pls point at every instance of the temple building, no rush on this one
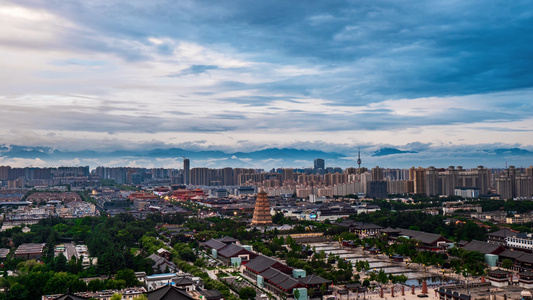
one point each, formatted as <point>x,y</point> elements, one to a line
<point>262,215</point>
<point>499,278</point>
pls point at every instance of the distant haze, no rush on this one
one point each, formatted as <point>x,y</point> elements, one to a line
<point>417,155</point>
<point>421,82</point>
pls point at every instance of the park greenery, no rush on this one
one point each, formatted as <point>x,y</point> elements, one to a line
<point>121,245</point>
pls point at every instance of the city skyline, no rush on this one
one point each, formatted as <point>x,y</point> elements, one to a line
<point>446,83</point>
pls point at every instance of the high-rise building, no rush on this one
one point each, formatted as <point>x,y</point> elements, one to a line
<point>377,189</point>
<point>319,164</point>
<point>199,176</point>
<point>287,175</point>
<point>418,176</point>
<point>512,183</point>
<point>377,174</point>
<point>186,171</point>
<point>262,216</point>
<point>432,180</point>
<point>4,172</point>
<point>227,176</point>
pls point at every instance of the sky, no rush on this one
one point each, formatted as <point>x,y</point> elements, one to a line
<point>107,75</point>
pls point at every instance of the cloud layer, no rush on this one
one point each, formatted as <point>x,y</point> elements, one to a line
<point>246,75</point>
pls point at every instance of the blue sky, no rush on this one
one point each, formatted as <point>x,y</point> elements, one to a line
<point>246,75</point>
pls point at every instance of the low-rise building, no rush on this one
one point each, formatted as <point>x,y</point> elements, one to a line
<point>520,241</point>
<point>30,251</point>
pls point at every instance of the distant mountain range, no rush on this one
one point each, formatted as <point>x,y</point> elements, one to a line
<point>44,152</point>
<point>266,158</point>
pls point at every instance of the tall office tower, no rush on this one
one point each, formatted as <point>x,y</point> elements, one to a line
<point>262,215</point>
<point>377,174</point>
<point>319,164</point>
<point>432,178</point>
<point>186,171</point>
<point>418,177</point>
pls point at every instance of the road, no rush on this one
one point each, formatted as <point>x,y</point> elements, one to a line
<point>70,249</point>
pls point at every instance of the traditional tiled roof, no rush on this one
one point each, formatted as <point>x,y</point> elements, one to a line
<point>462,243</point>
<point>161,263</point>
<point>511,254</point>
<point>279,278</point>
<point>232,250</point>
<point>502,233</point>
<point>349,223</point>
<point>215,244</point>
<point>260,263</point>
<point>227,240</point>
<point>183,281</point>
<point>499,272</point>
<point>269,273</point>
<point>70,297</point>
<point>526,258</point>
<point>526,273</point>
<point>366,226</point>
<point>483,247</point>
<point>424,237</point>
<point>4,252</point>
<point>313,279</point>
<point>168,292</point>
<point>289,283</point>
<point>211,294</point>
<point>352,286</point>
<point>390,230</point>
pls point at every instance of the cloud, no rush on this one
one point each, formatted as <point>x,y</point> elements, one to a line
<point>194,70</point>
<point>118,74</point>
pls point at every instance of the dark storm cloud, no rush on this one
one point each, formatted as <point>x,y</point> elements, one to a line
<point>394,49</point>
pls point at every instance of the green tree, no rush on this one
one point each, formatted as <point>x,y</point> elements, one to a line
<point>382,277</point>
<point>112,284</point>
<point>62,282</point>
<point>323,288</point>
<point>296,294</point>
<point>96,285</point>
<point>246,293</point>
<point>128,275</point>
<point>116,296</point>
<point>16,292</point>
<point>60,263</point>
<point>507,263</point>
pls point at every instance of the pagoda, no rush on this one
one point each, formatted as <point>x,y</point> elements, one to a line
<point>262,215</point>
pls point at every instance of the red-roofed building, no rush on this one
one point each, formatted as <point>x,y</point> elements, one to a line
<point>142,195</point>
<point>185,195</point>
